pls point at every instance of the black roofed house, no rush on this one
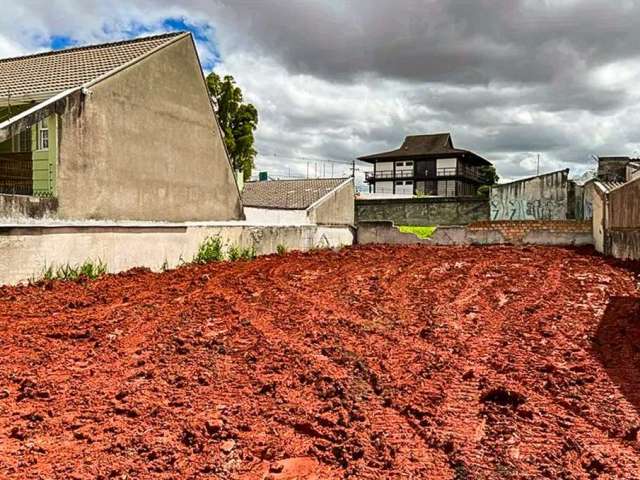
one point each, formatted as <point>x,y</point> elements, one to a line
<point>321,201</point>
<point>426,165</point>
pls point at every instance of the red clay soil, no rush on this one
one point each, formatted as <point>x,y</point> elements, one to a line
<point>372,362</point>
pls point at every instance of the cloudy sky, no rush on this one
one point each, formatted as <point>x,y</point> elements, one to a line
<point>333,80</point>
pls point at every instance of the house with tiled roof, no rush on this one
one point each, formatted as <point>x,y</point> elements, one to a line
<point>320,201</point>
<point>426,165</point>
<point>117,131</point>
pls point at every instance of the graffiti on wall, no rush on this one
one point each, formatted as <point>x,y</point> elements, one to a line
<point>539,209</point>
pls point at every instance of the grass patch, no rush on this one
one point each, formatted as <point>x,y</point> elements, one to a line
<point>418,231</point>
<point>88,270</point>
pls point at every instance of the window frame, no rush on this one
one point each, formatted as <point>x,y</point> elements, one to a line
<point>43,126</point>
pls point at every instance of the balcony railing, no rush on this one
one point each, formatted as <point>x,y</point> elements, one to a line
<point>389,174</point>
<point>459,171</point>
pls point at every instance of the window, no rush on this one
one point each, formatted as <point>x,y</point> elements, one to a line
<point>43,135</point>
<point>22,141</point>
<point>405,187</point>
<point>447,188</point>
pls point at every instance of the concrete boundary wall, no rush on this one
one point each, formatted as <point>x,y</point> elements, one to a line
<point>26,250</point>
<point>427,211</point>
<point>484,233</point>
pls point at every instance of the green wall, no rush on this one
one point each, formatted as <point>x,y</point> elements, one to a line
<point>44,161</point>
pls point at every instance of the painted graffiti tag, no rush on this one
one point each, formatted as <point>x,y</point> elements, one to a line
<point>527,210</point>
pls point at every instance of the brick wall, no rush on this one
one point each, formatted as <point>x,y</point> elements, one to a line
<point>516,231</point>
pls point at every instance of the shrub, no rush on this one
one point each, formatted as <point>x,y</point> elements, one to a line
<point>248,253</point>
<point>234,253</point>
<point>281,249</point>
<point>210,250</point>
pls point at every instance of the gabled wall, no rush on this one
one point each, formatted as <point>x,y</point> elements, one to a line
<point>337,208</point>
<point>143,144</point>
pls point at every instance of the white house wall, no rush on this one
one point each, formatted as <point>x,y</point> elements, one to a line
<point>384,167</point>
<point>446,163</point>
<point>384,187</point>
<point>272,216</point>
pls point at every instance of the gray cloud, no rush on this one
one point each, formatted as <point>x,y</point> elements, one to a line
<point>339,79</point>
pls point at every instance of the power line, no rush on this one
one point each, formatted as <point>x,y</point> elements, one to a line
<point>311,159</point>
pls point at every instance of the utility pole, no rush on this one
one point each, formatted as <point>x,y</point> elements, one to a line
<point>353,169</point>
<point>307,169</point>
<point>538,169</point>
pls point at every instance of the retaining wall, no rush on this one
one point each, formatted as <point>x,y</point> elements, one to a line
<point>26,250</point>
<point>483,233</point>
<point>426,211</point>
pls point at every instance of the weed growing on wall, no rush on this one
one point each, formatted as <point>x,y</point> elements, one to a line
<point>88,270</point>
<point>239,253</point>
<point>210,250</point>
<point>281,249</point>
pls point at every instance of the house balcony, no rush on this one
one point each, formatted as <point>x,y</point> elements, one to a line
<point>463,171</point>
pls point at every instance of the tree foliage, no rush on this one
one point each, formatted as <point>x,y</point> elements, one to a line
<point>489,176</point>
<point>238,121</point>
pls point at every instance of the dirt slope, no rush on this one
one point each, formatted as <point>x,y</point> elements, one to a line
<point>376,362</point>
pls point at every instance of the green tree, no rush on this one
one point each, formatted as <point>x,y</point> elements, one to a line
<point>238,121</point>
<point>489,176</point>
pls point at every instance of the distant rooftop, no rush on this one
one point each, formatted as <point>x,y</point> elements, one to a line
<point>42,75</point>
<point>288,194</point>
<point>416,145</point>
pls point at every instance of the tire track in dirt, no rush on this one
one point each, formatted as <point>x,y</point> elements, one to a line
<point>352,363</point>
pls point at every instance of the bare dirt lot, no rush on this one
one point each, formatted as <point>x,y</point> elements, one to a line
<point>374,362</point>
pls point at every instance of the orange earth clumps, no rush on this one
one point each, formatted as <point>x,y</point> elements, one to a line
<point>371,362</point>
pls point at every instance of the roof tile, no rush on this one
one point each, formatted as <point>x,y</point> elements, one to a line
<point>54,72</point>
<point>288,194</point>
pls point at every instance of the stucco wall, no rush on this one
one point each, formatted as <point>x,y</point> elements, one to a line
<point>587,200</point>
<point>598,210</point>
<point>545,197</point>
<point>423,211</point>
<point>27,250</point>
<point>338,208</point>
<point>144,145</point>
